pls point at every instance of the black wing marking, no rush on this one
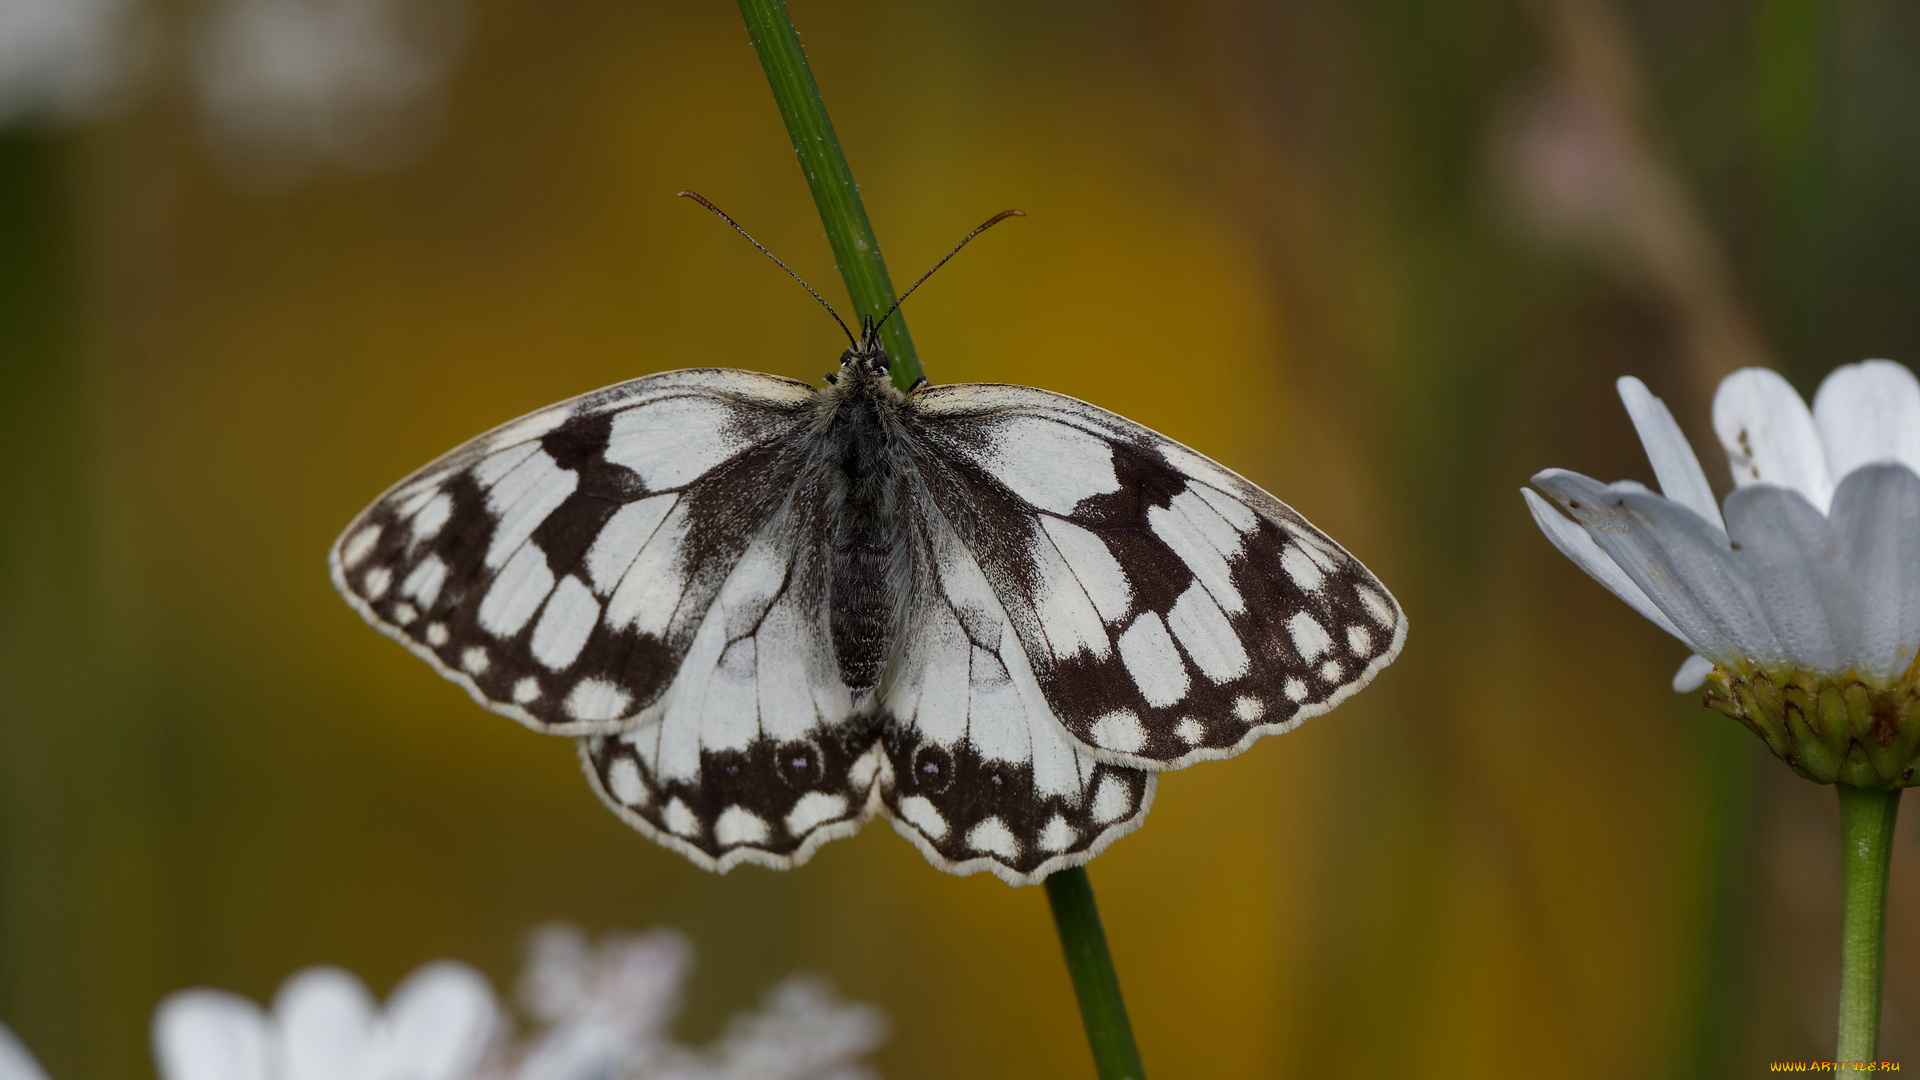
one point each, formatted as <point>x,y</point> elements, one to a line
<point>559,567</point>
<point>771,802</point>
<point>1173,612</point>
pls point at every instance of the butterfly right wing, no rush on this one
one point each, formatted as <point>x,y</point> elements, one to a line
<point>560,566</point>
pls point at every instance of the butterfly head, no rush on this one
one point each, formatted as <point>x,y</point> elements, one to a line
<point>864,362</point>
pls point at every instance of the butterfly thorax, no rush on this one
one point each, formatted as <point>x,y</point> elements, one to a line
<point>867,558</point>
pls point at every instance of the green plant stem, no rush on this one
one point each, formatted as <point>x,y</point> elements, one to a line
<point>1866,831</point>
<point>1084,941</point>
<point>855,249</point>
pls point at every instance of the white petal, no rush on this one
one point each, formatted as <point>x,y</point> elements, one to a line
<point>1876,511</point>
<point>592,1046</point>
<point>1577,544</point>
<point>438,1024</point>
<point>556,975</point>
<point>325,1017</point>
<point>1693,671</point>
<point>1683,564</point>
<point>211,1035</point>
<point>15,1062</point>
<point>1769,435</point>
<point>1674,464</point>
<point>1791,554</point>
<point>1868,412</point>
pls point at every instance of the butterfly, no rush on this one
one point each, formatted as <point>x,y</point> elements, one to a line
<point>769,611</point>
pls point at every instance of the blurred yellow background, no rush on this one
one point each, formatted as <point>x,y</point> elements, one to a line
<point>1384,259</point>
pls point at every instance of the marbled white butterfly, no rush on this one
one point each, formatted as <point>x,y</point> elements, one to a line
<point>767,610</point>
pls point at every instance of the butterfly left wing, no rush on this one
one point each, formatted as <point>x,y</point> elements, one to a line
<point>1172,611</point>
<point>559,566</point>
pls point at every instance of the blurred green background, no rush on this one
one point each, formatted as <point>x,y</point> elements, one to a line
<point>1384,258</point>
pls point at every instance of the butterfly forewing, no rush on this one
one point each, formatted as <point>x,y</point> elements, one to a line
<point>560,566</point>
<point>1172,611</point>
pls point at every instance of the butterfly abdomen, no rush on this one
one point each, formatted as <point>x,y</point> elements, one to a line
<point>866,538</point>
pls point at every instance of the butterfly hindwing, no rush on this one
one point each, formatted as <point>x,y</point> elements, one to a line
<point>1172,611</point>
<point>981,774</point>
<point>751,754</point>
<point>558,567</point>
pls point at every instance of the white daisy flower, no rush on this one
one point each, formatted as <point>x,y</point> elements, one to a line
<point>15,1062</point>
<point>1800,596</point>
<point>325,1025</point>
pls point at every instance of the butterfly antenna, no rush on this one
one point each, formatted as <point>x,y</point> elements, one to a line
<point>983,227</point>
<point>722,215</point>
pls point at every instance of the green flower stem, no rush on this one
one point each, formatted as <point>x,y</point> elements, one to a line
<point>855,249</point>
<point>1084,941</point>
<point>1866,830</point>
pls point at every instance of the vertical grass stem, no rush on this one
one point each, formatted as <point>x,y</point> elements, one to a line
<point>1084,941</point>
<point>855,249</point>
<point>857,252</point>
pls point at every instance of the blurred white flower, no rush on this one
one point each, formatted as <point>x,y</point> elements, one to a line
<point>15,1062</point>
<point>606,1010</point>
<point>605,1013</point>
<point>284,86</point>
<point>325,1025</point>
<point>802,1032</point>
<point>288,84</point>
<point>61,59</point>
<point>601,1013</point>
<point>1801,597</point>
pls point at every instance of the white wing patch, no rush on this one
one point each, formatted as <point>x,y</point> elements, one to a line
<point>649,589</point>
<point>1206,636</point>
<point>673,441</point>
<point>622,538</point>
<point>1050,465</point>
<point>565,623</point>
<point>516,593</point>
<point>1094,569</point>
<point>1153,662</point>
